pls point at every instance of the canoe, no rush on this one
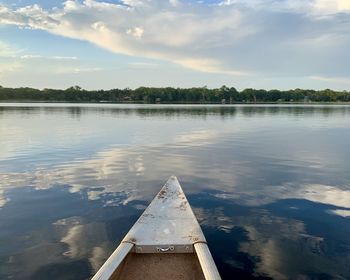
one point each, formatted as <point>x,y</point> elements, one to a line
<point>166,242</point>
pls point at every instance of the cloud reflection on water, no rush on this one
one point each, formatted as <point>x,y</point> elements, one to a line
<point>54,228</point>
<point>283,246</point>
<point>337,196</point>
<point>241,168</point>
<point>102,173</point>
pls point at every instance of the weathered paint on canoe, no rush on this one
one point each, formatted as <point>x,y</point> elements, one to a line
<point>168,229</point>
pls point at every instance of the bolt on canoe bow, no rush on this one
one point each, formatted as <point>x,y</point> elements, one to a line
<point>166,242</point>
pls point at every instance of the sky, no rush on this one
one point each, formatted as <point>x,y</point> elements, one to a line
<point>106,44</point>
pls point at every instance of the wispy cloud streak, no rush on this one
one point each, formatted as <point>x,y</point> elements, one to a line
<point>233,37</point>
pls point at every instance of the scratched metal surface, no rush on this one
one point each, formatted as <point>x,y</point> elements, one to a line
<point>167,221</point>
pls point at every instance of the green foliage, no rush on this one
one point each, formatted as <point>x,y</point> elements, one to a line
<point>201,95</point>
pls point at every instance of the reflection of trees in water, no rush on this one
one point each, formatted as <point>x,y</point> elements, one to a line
<point>22,111</point>
<point>294,110</point>
<point>75,112</point>
<point>180,111</point>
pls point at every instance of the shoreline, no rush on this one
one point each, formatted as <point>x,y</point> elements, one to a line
<point>173,103</point>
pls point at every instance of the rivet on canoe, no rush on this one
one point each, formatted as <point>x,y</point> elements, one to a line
<point>139,249</point>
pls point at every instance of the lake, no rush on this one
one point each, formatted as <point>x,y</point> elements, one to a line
<point>269,184</point>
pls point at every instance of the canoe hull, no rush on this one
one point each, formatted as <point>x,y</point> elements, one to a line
<point>166,242</point>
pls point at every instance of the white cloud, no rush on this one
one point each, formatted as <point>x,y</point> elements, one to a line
<point>134,3</point>
<point>64,57</point>
<point>175,3</point>
<point>235,37</point>
<point>36,56</point>
<point>232,37</point>
<point>7,50</point>
<point>142,65</point>
<point>137,32</point>
<point>9,67</point>
<point>341,80</point>
<point>30,56</point>
<point>161,30</point>
<point>87,70</point>
<point>332,6</point>
<point>78,70</point>
<point>312,7</point>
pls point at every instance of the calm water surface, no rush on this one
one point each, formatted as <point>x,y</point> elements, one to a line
<point>270,185</point>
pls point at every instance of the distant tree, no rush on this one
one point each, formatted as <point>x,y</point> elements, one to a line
<point>172,95</point>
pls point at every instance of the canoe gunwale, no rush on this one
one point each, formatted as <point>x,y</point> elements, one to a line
<point>206,261</point>
<point>114,261</point>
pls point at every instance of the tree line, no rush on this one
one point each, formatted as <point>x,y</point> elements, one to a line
<point>150,95</point>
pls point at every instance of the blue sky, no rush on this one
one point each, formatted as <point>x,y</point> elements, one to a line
<point>130,43</point>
